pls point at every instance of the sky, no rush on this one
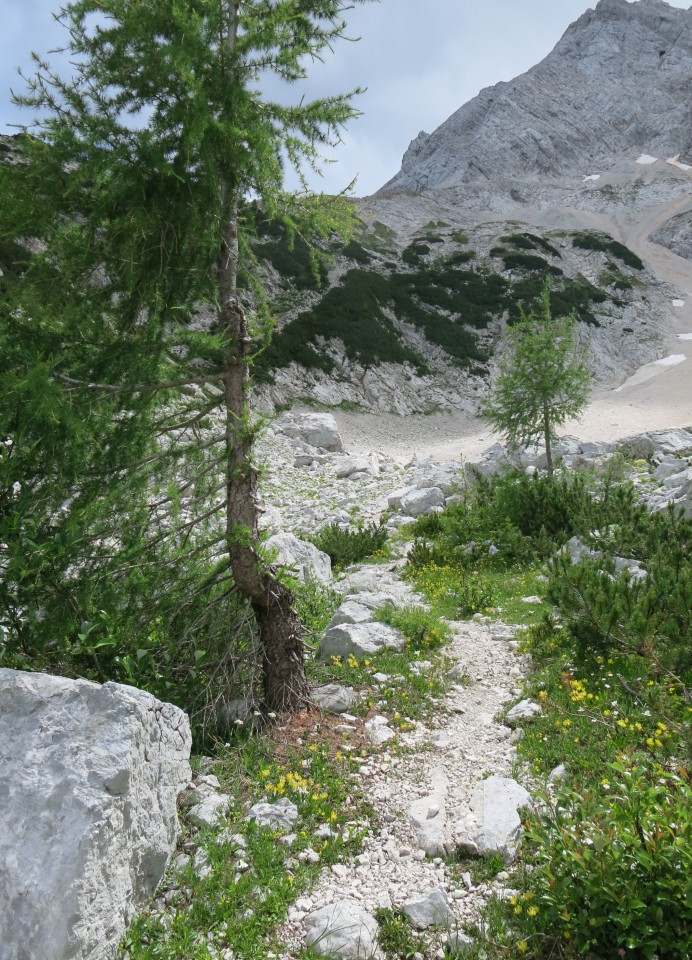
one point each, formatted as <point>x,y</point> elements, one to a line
<point>418,62</point>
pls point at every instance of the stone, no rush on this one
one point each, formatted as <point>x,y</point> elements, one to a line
<point>578,550</point>
<point>378,731</point>
<point>90,779</point>
<point>316,429</point>
<point>557,773</point>
<point>209,811</point>
<point>428,819</point>
<point>523,712</point>
<point>359,608</point>
<point>416,503</point>
<point>302,559</point>
<point>279,816</point>
<point>360,639</point>
<point>358,465</point>
<point>429,910</point>
<point>342,930</point>
<point>334,698</point>
<point>489,462</point>
<point>494,825</point>
<point>458,944</point>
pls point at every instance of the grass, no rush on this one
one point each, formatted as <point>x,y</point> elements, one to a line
<point>608,852</point>
<point>236,902</point>
<point>238,892</point>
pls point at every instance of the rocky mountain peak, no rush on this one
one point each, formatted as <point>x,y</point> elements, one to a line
<point>617,84</point>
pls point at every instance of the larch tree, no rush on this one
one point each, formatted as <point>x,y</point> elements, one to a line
<point>542,379</point>
<point>135,186</point>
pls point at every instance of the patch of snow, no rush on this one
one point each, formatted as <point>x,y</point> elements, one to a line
<point>685,336</point>
<point>646,159</point>
<point>675,162</point>
<point>678,303</point>
<point>671,360</point>
<point>650,370</point>
<point>593,176</point>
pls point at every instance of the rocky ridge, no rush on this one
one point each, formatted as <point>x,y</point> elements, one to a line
<point>621,77</point>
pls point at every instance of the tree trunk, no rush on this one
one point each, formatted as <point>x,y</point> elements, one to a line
<point>548,446</point>
<point>280,630</point>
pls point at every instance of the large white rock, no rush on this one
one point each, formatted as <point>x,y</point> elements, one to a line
<point>342,929</point>
<point>90,778</point>
<point>524,712</point>
<point>359,608</point>
<point>360,639</point>
<point>303,559</point>
<point>317,429</point>
<point>415,503</point>
<point>494,824</point>
<point>427,817</point>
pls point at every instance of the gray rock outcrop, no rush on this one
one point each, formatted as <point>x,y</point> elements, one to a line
<point>360,639</point>
<point>316,429</point>
<point>605,112</point>
<point>90,779</point>
<point>430,909</point>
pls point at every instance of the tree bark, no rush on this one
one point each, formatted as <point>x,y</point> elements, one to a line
<point>548,445</point>
<point>280,629</point>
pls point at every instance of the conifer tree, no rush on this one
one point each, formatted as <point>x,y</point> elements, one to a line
<point>542,379</point>
<point>134,187</point>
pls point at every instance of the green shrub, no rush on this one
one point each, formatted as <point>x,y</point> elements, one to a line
<point>415,252</point>
<point>606,244</point>
<point>530,241</point>
<point>452,592</point>
<point>350,545</point>
<point>394,935</point>
<point>611,869</point>
<point>648,617</point>
<point>422,628</point>
<point>460,257</point>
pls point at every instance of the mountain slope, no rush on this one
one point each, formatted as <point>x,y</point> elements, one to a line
<point>617,84</point>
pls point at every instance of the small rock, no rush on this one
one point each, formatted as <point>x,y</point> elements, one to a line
<point>342,930</point>
<point>429,910</point>
<point>280,815</point>
<point>334,698</point>
<point>523,712</point>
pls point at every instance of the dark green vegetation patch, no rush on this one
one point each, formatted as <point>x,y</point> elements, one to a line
<point>606,244</point>
<point>447,299</point>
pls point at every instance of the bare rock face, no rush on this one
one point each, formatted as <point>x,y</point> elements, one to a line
<point>90,779</point>
<point>617,83</point>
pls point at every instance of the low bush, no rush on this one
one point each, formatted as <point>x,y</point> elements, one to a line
<point>346,545</point>
<point>610,869</point>
<point>602,242</point>
<point>422,628</point>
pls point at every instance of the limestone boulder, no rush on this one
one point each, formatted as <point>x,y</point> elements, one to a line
<point>427,817</point>
<point>417,502</point>
<point>343,930</point>
<point>334,698</point>
<point>303,559</point>
<point>494,824</point>
<point>430,909</point>
<point>316,429</point>
<point>360,639</point>
<point>90,780</point>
